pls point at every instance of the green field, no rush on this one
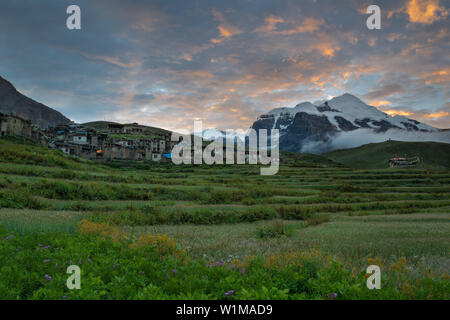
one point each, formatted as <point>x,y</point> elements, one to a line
<point>159,231</point>
<point>376,155</point>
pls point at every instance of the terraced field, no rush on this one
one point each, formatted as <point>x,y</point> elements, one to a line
<point>231,213</point>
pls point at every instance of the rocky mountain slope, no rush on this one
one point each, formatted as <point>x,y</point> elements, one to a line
<point>13,102</point>
<point>309,124</point>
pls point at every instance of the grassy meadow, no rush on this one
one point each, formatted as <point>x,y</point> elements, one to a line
<point>160,231</point>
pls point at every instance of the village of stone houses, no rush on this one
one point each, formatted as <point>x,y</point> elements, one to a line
<point>112,142</point>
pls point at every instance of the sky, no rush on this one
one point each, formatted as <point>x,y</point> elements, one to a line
<point>167,63</point>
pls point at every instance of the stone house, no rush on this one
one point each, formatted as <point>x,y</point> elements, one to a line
<point>14,125</point>
<point>80,138</point>
<point>133,128</point>
<point>116,128</point>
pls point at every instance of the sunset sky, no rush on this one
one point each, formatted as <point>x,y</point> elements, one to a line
<point>166,63</point>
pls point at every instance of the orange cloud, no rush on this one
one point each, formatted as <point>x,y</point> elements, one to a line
<point>372,41</point>
<point>394,36</point>
<point>308,25</point>
<point>398,113</point>
<point>379,103</point>
<point>437,77</point>
<point>436,115</point>
<point>111,60</point>
<point>225,29</point>
<point>271,22</point>
<point>224,32</point>
<point>325,48</point>
<point>425,11</point>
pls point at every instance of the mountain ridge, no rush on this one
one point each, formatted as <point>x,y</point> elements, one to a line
<point>14,102</point>
<point>309,124</point>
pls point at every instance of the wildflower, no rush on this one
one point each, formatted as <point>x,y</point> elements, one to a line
<point>47,247</point>
<point>46,261</point>
<point>231,292</point>
<point>334,295</point>
<point>143,272</point>
<point>47,277</point>
<point>89,260</point>
<point>220,263</point>
<point>242,270</point>
<point>174,270</point>
<point>115,265</point>
<point>64,297</point>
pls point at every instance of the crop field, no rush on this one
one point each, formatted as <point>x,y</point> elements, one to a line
<point>160,231</point>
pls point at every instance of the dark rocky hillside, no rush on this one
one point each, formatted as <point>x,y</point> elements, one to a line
<point>13,102</point>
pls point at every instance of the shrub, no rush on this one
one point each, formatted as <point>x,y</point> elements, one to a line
<point>20,199</point>
<point>114,266</point>
<point>274,230</point>
<point>316,220</point>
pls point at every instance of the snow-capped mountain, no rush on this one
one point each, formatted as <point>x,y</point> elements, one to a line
<point>308,123</point>
<point>213,134</point>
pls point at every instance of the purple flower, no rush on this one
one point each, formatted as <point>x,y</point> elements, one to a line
<point>242,270</point>
<point>89,260</point>
<point>220,263</point>
<point>47,277</point>
<point>47,247</point>
<point>334,295</point>
<point>143,272</point>
<point>231,292</point>
<point>174,270</point>
<point>115,265</point>
<point>46,260</point>
<point>64,297</point>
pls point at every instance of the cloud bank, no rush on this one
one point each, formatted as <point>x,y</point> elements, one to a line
<point>164,63</point>
<point>356,138</point>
